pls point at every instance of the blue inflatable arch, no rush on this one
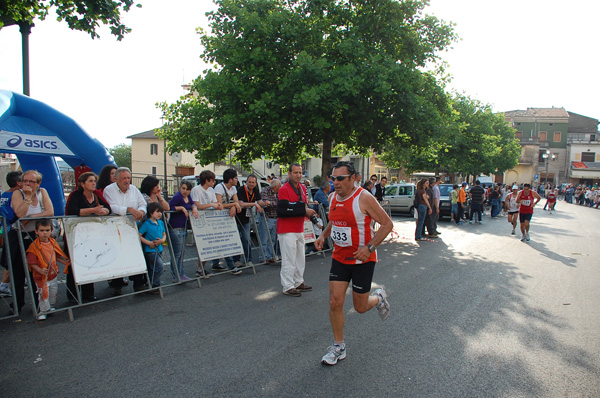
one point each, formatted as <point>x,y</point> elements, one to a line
<point>36,133</point>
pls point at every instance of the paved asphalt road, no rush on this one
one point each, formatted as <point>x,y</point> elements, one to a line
<point>476,313</point>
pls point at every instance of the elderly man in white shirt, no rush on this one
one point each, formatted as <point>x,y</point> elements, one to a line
<point>123,197</point>
<point>126,198</point>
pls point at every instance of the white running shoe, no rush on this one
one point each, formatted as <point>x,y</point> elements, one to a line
<point>334,354</point>
<point>384,306</point>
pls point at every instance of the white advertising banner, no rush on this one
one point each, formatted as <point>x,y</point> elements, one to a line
<point>103,248</point>
<point>46,144</point>
<point>216,235</point>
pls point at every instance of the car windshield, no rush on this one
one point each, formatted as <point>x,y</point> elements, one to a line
<point>445,190</point>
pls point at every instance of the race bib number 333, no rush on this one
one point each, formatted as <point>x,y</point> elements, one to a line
<point>341,236</point>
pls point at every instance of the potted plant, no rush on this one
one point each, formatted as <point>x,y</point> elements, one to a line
<point>185,169</point>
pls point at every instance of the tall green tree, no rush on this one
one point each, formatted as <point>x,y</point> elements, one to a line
<point>475,141</point>
<point>293,78</point>
<point>122,155</point>
<point>83,15</point>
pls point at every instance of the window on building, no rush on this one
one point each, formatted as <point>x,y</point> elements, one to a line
<point>154,168</point>
<point>592,137</point>
<point>519,134</point>
<point>557,136</point>
<point>153,149</point>
<point>543,136</point>
<point>541,159</point>
<point>588,156</point>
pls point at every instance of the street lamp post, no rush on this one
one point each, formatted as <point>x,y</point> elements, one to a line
<point>546,157</point>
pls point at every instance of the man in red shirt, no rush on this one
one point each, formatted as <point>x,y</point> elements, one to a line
<point>292,210</point>
<point>351,213</point>
<point>527,199</point>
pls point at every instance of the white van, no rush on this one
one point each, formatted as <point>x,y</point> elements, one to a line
<point>401,197</point>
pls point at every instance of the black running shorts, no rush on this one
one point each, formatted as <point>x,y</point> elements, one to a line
<point>361,275</point>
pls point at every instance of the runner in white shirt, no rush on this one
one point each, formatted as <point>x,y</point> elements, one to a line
<point>512,207</point>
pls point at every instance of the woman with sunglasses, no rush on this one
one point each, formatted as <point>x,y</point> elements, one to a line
<point>30,201</point>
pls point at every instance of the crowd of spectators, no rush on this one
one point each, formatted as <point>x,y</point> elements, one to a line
<point>111,192</point>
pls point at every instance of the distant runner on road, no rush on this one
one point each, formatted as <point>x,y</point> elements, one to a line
<point>527,199</point>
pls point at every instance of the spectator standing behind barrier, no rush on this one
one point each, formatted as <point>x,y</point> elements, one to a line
<point>125,198</point>
<point>84,202</point>
<point>150,189</point>
<point>204,198</point>
<point>42,257</point>
<point>106,177</point>
<point>321,196</point>
<point>226,193</point>
<point>380,189</point>
<point>30,201</point>
<point>13,179</point>
<point>373,179</point>
<point>368,185</point>
<point>153,235</point>
<point>249,198</point>
<point>268,224</point>
<point>292,209</point>
<point>182,203</point>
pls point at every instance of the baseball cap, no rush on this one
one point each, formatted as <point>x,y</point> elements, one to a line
<point>464,183</point>
<point>515,187</point>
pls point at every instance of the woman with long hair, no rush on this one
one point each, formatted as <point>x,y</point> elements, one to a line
<point>84,201</point>
<point>423,208</point>
<point>150,190</point>
<point>182,203</point>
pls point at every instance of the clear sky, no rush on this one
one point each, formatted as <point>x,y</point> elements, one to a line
<point>513,54</point>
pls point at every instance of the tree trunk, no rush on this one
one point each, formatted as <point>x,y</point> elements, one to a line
<point>326,158</point>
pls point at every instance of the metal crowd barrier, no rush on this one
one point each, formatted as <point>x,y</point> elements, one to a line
<point>9,303</point>
<point>260,238</point>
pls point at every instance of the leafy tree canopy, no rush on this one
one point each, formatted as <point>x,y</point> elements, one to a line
<point>292,78</point>
<point>84,15</point>
<point>475,140</point>
<point>122,155</point>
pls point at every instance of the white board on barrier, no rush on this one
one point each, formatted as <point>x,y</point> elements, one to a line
<point>309,232</point>
<point>216,235</point>
<point>103,248</point>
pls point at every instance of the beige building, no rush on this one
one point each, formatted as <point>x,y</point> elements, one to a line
<point>148,158</point>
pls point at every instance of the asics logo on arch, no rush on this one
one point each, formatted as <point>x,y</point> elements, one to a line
<point>14,141</point>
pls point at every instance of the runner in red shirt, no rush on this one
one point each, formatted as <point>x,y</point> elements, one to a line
<point>551,200</point>
<point>527,199</point>
<point>352,211</point>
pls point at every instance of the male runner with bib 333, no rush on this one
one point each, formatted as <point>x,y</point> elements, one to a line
<point>351,212</point>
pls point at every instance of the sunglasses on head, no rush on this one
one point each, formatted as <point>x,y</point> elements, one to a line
<point>340,178</point>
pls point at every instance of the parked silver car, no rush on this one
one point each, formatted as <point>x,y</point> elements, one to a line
<point>401,197</point>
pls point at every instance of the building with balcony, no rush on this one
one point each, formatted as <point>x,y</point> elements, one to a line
<point>542,133</point>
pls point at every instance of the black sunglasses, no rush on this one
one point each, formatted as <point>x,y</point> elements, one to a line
<point>340,178</point>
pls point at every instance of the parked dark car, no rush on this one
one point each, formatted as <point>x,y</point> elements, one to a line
<point>445,204</point>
